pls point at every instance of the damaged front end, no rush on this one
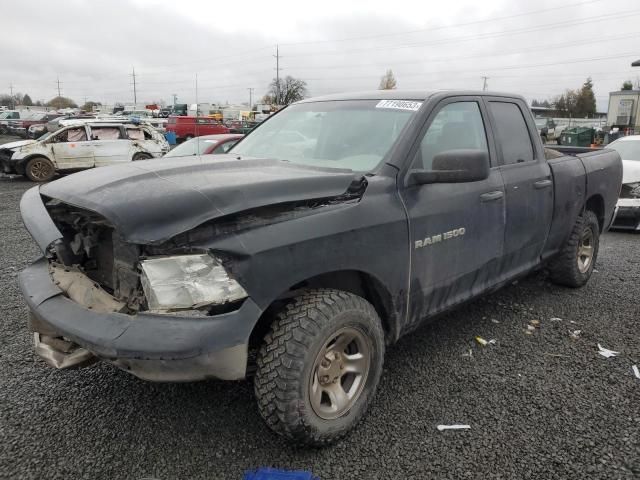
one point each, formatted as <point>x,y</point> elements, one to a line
<point>173,309</point>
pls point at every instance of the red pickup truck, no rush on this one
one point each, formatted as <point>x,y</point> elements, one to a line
<point>186,128</point>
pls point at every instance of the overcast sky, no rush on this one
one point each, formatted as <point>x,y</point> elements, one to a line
<point>536,48</point>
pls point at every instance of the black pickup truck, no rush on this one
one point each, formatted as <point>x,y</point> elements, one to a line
<point>337,226</point>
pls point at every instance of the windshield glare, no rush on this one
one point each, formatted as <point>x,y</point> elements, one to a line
<point>628,149</point>
<point>195,146</point>
<point>354,134</point>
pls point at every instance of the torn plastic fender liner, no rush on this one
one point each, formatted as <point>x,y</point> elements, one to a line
<point>37,221</point>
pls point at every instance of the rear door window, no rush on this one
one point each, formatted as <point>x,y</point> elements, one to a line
<point>511,132</point>
<point>105,133</point>
<point>135,134</point>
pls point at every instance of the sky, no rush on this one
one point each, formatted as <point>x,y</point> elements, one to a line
<point>536,48</point>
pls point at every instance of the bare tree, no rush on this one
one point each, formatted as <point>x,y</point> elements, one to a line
<point>290,90</point>
<point>388,81</point>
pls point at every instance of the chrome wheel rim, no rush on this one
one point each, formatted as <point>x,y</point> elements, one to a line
<point>40,170</point>
<point>339,373</point>
<point>585,251</point>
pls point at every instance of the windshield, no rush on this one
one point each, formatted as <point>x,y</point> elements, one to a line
<point>354,134</point>
<point>628,149</point>
<point>195,146</point>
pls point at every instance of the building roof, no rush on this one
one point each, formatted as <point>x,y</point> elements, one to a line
<point>636,63</point>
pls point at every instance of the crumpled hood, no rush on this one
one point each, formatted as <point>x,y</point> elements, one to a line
<point>630,171</point>
<point>16,145</point>
<point>154,200</point>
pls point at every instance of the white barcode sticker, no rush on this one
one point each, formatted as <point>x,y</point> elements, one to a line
<point>399,104</point>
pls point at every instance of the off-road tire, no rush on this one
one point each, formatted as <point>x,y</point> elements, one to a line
<point>564,270</point>
<point>286,361</point>
<point>40,169</point>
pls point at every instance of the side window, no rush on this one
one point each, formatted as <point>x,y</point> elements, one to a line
<point>135,134</point>
<point>105,133</point>
<point>456,126</point>
<point>74,135</point>
<point>512,132</point>
<point>225,147</point>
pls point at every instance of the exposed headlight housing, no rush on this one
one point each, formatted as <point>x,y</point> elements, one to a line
<point>187,282</point>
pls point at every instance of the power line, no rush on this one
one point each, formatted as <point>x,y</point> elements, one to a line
<point>481,36</point>
<point>457,25</point>
<point>450,59</point>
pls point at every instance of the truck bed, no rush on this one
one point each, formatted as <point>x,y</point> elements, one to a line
<point>589,176</point>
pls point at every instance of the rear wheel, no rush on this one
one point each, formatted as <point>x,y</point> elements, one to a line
<point>141,156</point>
<point>319,366</point>
<point>574,265</point>
<point>40,169</point>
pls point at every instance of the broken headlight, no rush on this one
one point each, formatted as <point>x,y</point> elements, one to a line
<point>187,282</point>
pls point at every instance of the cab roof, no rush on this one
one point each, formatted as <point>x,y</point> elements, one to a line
<point>419,95</point>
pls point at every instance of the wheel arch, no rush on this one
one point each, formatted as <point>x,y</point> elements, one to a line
<point>595,204</point>
<point>357,282</point>
<point>21,165</point>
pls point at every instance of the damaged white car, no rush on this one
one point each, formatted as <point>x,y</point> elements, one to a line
<point>628,208</point>
<point>81,146</point>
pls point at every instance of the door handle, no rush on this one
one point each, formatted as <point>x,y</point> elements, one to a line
<point>491,196</point>
<point>542,184</point>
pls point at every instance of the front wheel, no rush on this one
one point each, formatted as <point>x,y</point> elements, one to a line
<point>574,265</point>
<point>319,366</point>
<point>40,169</point>
<point>141,156</point>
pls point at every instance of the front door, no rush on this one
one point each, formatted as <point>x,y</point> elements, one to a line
<point>72,149</point>
<point>456,229</point>
<point>528,186</point>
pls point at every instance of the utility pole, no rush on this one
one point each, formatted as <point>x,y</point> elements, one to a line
<point>11,90</point>
<point>197,106</point>
<point>484,83</point>
<point>277,56</point>
<point>250,96</point>
<point>175,98</point>
<point>135,93</point>
<point>58,82</point>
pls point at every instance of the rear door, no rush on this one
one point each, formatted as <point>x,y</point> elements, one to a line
<point>456,229</point>
<point>527,181</point>
<point>110,145</point>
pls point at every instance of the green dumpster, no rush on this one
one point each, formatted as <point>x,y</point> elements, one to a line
<point>578,136</point>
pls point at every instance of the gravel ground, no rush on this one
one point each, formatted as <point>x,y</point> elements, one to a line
<point>540,406</point>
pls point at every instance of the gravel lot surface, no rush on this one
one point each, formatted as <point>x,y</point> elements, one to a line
<point>540,406</point>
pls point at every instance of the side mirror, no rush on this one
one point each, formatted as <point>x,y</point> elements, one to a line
<point>453,166</point>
